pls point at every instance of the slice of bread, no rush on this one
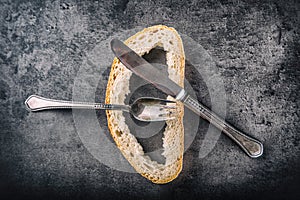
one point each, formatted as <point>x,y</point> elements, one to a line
<point>117,89</point>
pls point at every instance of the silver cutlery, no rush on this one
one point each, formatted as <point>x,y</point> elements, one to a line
<point>143,109</point>
<point>145,70</point>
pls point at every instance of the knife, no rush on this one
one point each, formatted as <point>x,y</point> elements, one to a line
<point>145,70</point>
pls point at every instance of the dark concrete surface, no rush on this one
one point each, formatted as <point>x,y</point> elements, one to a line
<point>256,48</point>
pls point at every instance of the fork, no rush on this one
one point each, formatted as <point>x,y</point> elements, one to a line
<point>143,109</point>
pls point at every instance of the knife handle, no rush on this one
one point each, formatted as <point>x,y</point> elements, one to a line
<point>251,146</point>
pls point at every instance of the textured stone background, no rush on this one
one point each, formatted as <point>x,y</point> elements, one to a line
<point>256,48</point>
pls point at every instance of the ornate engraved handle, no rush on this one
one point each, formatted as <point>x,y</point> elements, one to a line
<point>251,146</point>
<point>38,103</point>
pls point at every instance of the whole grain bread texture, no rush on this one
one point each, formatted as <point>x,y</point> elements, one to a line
<point>117,89</point>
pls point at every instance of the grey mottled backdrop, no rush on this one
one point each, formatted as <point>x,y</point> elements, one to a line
<point>256,48</point>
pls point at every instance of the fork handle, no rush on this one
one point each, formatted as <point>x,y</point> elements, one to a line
<point>251,146</point>
<point>38,103</point>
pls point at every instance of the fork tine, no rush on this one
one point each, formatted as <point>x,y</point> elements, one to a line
<point>169,107</point>
<point>167,114</point>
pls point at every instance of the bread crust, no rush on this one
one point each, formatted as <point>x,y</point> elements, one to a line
<point>162,173</point>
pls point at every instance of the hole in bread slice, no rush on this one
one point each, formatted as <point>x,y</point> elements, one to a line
<point>150,139</point>
<point>156,55</point>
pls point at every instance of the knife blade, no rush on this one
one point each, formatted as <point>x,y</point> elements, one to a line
<point>145,70</point>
